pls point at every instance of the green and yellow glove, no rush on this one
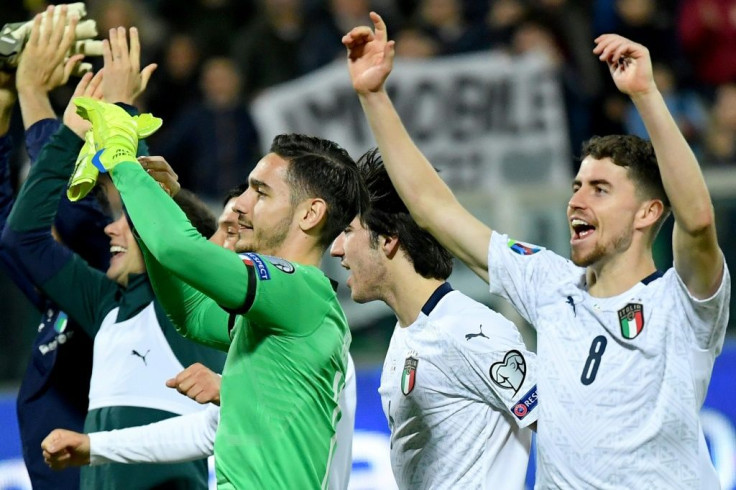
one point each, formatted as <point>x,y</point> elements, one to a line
<point>113,139</point>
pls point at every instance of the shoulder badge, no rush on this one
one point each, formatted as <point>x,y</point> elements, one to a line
<point>281,264</point>
<point>522,248</point>
<point>509,373</point>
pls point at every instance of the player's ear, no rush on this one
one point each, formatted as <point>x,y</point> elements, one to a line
<point>312,213</point>
<point>389,245</point>
<point>649,213</point>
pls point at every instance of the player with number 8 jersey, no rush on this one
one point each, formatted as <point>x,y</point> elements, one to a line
<point>619,397</point>
<point>625,354</point>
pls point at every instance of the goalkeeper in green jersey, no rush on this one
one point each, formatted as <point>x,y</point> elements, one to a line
<point>272,309</point>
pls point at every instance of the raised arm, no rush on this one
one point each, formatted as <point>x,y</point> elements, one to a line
<point>27,236</point>
<point>193,314</point>
<point>698,259</point>
<point>430,201</point>
<point>43,66</point>
<point>167,235</point>
<point>14,271</point>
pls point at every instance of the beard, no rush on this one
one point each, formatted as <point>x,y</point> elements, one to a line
<point>601,251</point>
<point>266,242</point>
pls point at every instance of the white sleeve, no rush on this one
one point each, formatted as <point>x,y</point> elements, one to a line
<point>522,273</point>
<point>708,318</point>
<point>496,367</point>
<point>342,460</point>
<point>183,438</point>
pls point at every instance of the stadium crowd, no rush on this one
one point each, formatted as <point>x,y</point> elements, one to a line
<point>215,56</point>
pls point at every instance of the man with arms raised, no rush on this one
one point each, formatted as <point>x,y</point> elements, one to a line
<point>274,311</point>
<point>625,352</point>
<point>191,436</point>
<point>455,370</point>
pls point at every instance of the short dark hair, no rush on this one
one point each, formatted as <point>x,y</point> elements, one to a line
<point>387,215</point>
<point>199,214</point>
<point>636,155</point>
<point>234,192</point>
<point>321,168</point>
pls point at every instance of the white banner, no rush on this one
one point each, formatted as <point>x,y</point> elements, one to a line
<point>485,120</point>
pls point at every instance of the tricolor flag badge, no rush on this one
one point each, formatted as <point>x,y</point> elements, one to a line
<point>522,248</point>
<point>409,375</point>
<point>631,319</point>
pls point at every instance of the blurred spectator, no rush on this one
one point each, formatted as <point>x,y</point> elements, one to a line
<point>539,33</point>
<point>720,140</point>
<point>175,84</point>
<point>129,13</point>
<point>213,23</point>
<point>708,34</point>
<point>444,21</point>
<point>570,23</point>
<point>347,14</point>
<point>213,145</point>
<point>644,22</point>
<point>685,106</point>
<point>282,43</point>
<point>501,21</point>
<point>412,42</point>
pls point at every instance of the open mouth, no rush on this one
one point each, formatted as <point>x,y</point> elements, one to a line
<point>581,229</point>
<point>116,250</point>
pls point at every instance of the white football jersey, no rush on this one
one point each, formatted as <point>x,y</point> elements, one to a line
<point>458,388</point>
<point>621,379</point>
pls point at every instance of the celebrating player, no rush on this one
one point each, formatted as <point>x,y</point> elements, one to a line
<point>458,385</point>
<point>190,436</point>
<point>135,346</point>
<point>274,311</point>
<point>625,352</point>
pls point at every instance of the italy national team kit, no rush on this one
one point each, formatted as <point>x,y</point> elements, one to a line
<point>458,388</point>
<point>621,379</point>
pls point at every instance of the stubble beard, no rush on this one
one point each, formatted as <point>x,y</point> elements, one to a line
<point>266,244</point>
<point>601,252</point>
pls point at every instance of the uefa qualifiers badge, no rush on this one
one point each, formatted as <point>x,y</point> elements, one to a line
<point>631,319</point>
<point>509,373</point>
<point>409,375</point>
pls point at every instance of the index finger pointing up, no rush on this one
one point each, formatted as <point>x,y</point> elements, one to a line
<point>379,27</point>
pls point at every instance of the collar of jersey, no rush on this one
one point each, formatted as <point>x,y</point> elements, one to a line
<point>135,297</point>
<point>438,294</point>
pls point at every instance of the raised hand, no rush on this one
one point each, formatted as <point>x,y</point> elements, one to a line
<point>64,448</point>
<point>43,65</point>
<point>88,86</point>
<point>198,383</point>
<point>370,56</point>
<point>629,63</point>
<point>125,80</point>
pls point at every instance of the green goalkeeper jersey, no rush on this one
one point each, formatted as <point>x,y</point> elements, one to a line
<point>281,381</point>
<point>285,333</point>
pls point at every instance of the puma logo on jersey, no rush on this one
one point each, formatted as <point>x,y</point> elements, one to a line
<point>469,336</point>
<point>571,302</point>
<point>143,357</point>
